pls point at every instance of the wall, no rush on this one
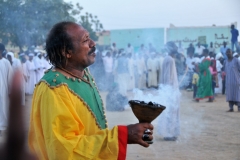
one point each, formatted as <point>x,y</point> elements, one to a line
<point>205,35</point>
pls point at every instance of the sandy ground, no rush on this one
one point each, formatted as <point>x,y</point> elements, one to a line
<point>208,132</point>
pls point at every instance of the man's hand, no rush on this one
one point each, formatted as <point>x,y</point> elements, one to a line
<point>136,131</point>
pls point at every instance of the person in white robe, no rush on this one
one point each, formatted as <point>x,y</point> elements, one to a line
<point>5,80</point>
<point>39,64</point>
<point>129,49</point>
<point>131,65</point>
<point>46,63</point>
<point>24,70</point>
<point>219,66</point>
<point>31,79</point>
<point>108,67</point>
<point>142,69</point>
<point>122,73</point>
<point>159,58</point>
<point>152,66</point>
<point>17,66</point>
<point>168,121</point>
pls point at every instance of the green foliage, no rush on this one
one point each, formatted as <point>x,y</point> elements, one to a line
<point>88,21</point>
<point>27,22</point>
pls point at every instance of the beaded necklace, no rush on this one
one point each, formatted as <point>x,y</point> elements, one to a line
<point>82,78</point>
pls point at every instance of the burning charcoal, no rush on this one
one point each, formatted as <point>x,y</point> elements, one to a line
<point>150,103</point>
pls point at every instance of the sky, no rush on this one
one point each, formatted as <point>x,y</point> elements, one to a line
<point>130,14</point>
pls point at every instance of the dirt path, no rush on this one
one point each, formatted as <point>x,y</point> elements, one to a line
<point>208,132</point>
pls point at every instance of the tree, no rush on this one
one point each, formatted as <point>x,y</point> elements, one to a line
<point>88,21</point>
<point>27,22</point>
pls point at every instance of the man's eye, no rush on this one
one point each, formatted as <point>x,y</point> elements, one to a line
<point>86,40</point>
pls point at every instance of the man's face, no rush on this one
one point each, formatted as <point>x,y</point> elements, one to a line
<point>83,54</point>
<point>30,58</point>
<point>9,58</point>
<point>229,53</point>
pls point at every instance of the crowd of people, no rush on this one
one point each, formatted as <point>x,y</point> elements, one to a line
<point>68,118</point>
<point>201,70</point>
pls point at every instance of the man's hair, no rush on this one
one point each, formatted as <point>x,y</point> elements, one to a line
<point>232,26</point>
<point>58,41</point>
<point>2,47</point>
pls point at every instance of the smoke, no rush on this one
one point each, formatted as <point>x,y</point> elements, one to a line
<point>169,97</point>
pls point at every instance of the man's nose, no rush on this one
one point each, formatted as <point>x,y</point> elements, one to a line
<point>92,43</point>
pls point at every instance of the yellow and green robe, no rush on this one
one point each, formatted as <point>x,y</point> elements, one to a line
<point>68,121</point>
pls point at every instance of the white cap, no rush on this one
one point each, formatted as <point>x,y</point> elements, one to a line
<point>11,54</point>
<point>21,54</point>
<point>218,56</point>
<point>36,50</point>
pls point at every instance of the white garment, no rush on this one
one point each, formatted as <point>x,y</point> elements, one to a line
<point>141,67</point>
<point>129,50</point>
<point>39,65</point>
<point>189,64</point>
<point>46,64</point>
<point>131,81</point>
<point>5,79</point>
<point>108,64</point>
<point>211,49</point>
<point>160,62</point>
<point>199,50</point>
<point>25,74</point>
<point>219,76</point>
<point>31,77</point>
<point>152,66</point>
<point>196,60</point>
<point>168,121</point>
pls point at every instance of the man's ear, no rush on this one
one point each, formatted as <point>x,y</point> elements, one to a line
<point>67,54</point>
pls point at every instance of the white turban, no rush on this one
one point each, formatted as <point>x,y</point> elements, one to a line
<point>30,54</point>
<point>36,50</point>
<point>10,54</point>
<point>218,56</point>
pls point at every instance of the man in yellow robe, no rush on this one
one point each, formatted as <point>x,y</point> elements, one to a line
<point>68,119</point>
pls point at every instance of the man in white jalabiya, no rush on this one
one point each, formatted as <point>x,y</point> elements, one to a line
<point>39,64</point>
<point>24,71</point>
<point>46,63</point>
<point>5,78</point>
<point>159,58</point>
<point>219,67</point>
<point>108,67</point>
<point>152,66</point>
<point>31,69</point>
<point>131,65</point>
<point>129,49</point>
<point>168,121</point>
<point>142,69</point>
<point>121,68</point>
